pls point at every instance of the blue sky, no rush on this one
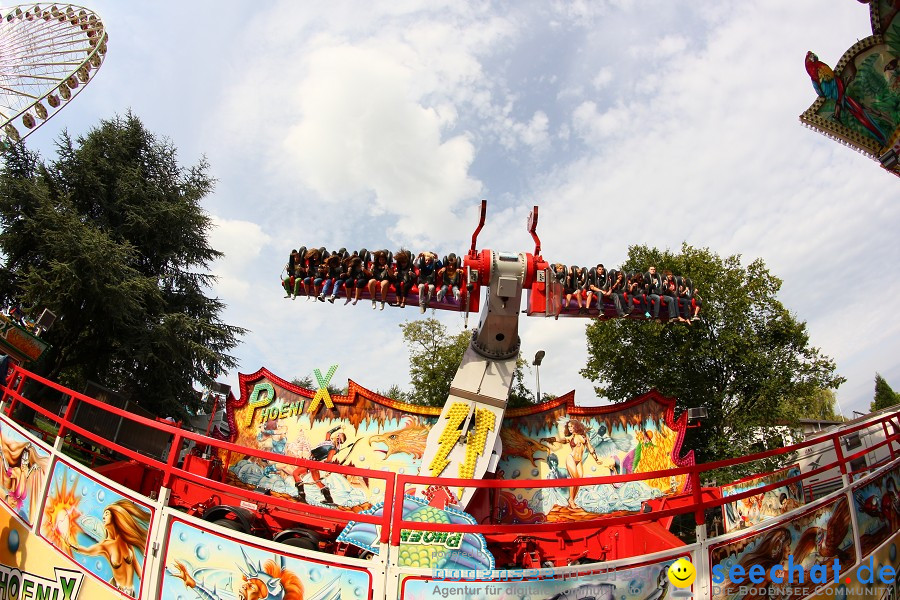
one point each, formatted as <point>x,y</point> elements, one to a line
<point>383,124</point>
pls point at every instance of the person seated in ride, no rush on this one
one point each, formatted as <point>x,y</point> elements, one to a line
<point>428,266</point>
<point>670,289</point>
<point>637,295</point>
<point>356,277</point>
<point>618,289</point>
<point>683,297</point>
<point>696,300</point>
<point>591,289</point>
<point>404,275</point>
<point>313,260</point>
<point>600,284</point>
<point>654,285</point>
<point>582,292</point>
<point>572,287</point>
<point>288,282</point>
<point>382,277</point>
<point>332,280</point>
<point>559,273</point>
<point>319,279</point>
<point>451,279</point>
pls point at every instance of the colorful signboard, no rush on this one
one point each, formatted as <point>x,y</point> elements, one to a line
<point>753,510</point>
<point>877,505</point>
<point>24,471</point>
<point>202,564</point>
<point>104,532</point>
<point>875,578</point>
<point>859,100</point>
<point>432,549</point>
<point>18,343</point>
<point>32,569</point>
<point>555,440</point>
<point>814,538</point>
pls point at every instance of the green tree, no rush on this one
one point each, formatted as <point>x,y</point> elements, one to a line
<point>395,392</point>
<point>884,395</point>
<point>819,404</point>
<point>435,356</point>
<point>745,359</point>
<point>111,237</point>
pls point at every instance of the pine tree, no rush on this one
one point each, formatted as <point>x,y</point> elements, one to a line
<point>884,395</point>
<point>111,237</point>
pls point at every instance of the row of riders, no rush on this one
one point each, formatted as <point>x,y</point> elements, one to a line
<point>320,274</point>
<point>628,293</point>
<point>316,273</point>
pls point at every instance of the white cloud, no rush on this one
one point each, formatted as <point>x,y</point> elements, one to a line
<point>362,134</point>
<point>603,78</point>
<point>242,243</point>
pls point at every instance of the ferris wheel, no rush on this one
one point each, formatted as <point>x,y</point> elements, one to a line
<point>48,53</point>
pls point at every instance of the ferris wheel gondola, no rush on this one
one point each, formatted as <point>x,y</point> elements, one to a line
<point>48,53</point>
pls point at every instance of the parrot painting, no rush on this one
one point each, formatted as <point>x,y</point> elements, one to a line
<point>829,86</point>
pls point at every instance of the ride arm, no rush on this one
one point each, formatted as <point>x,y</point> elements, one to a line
<point>466,434</point>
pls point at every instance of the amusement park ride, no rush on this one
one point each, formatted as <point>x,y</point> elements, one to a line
<point>306,494</point>
<point>857,101</point>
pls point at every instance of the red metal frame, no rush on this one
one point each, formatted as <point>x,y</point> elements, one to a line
<point>171,472</point>
<point>396,485</point>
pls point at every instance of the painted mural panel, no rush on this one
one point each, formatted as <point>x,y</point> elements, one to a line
<point>104,532</point>
<point>877,505</point>
<point>747,512</point>
<point>859,100</point>
<point>875,578</point>
<point>552,444</point>
<point>25,466</point>
<point>204,565</point>
<point>278,417</point>
<point>646,581</point>
<point>32,568</point>
<point>813,539</point>
<point>555,440</point>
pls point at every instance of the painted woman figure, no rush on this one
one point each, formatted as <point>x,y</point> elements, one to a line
<point>577,439</point>
<point>22,475</point>
<point>16,478</point>
<point>125,525</point>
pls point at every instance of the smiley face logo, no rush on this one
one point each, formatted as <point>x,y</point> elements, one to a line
<point>682,573</point>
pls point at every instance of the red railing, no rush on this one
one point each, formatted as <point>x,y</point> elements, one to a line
<point>694,473</point>
<point>395,485</point>
<point>172,472</point>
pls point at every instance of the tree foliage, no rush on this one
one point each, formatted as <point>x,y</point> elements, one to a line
<point>819,405</point>
<point>745,361</point>
<point>111,237</point>
<point>435,356</point>
<point>884,395</point>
